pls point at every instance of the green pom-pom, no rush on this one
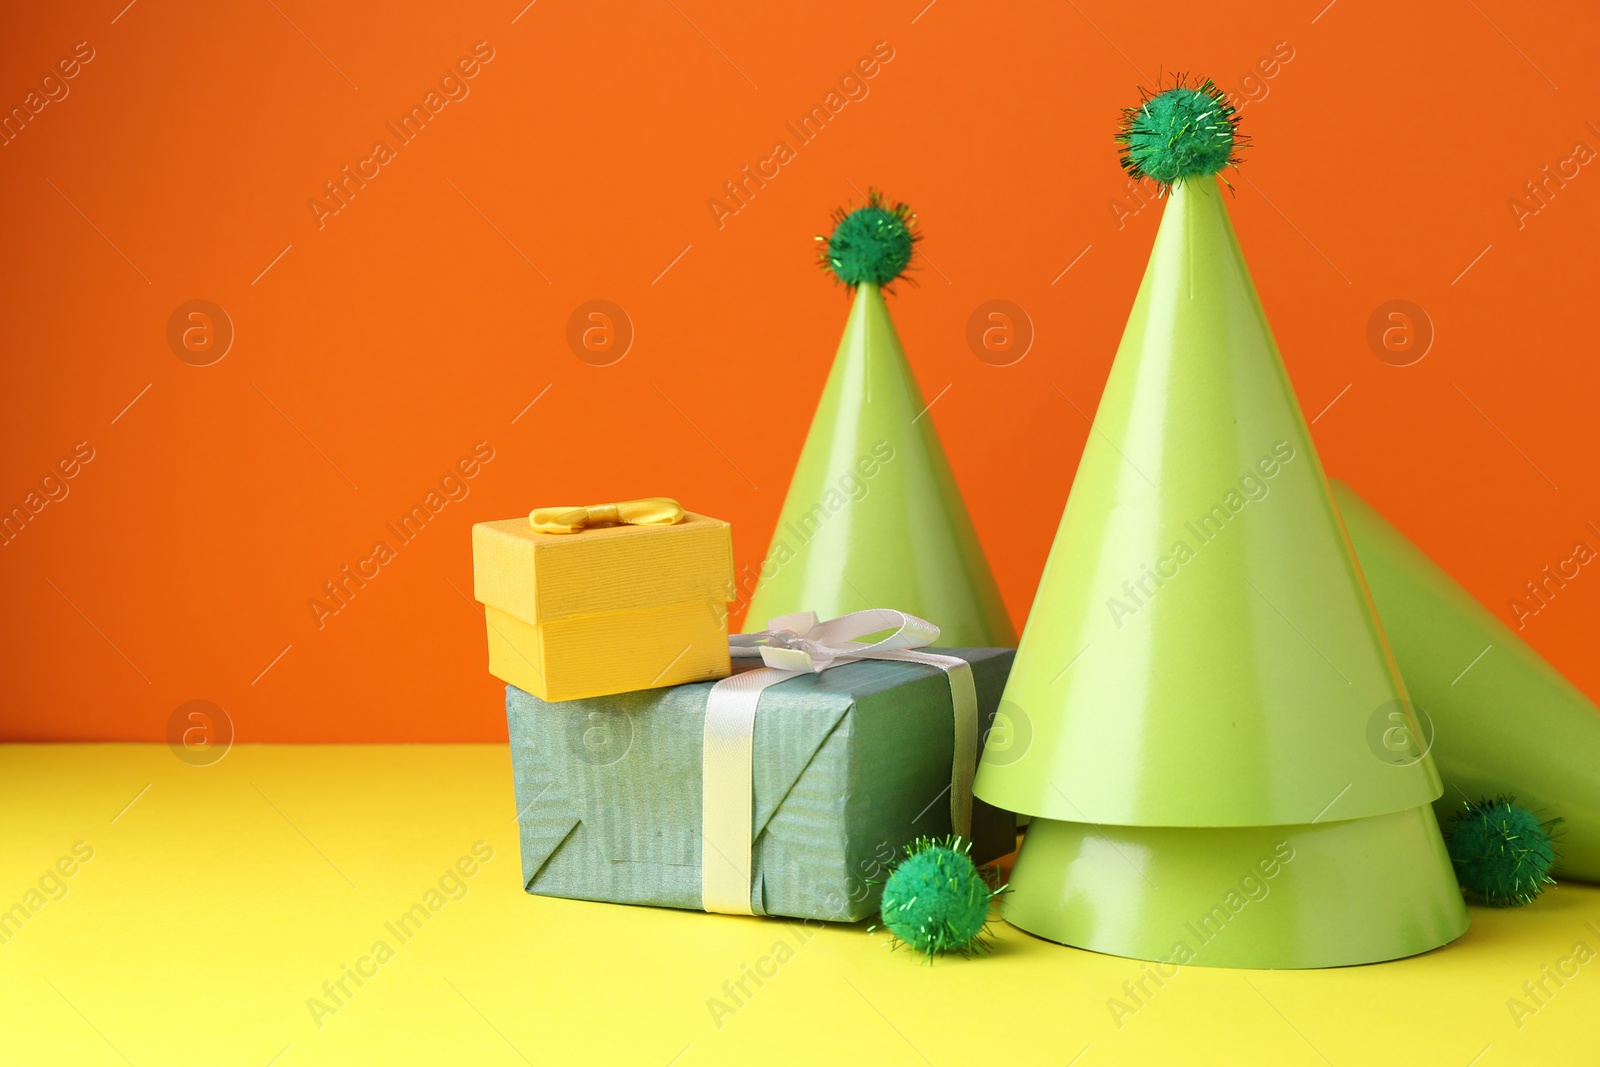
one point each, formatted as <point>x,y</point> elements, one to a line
<point>936,900</point>
<point>1181,133</point>
<point>1501,852</point>
<point>871,245</point>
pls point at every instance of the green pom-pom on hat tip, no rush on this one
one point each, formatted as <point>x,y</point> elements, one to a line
<point>1502,853</point>
<point>1185,131</point>
<point>872,244</point>
<point>936,900</point>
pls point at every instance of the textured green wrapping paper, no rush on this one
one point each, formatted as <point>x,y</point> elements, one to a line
<point>850,765</point>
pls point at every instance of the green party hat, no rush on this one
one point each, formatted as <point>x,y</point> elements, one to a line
<point>1192,715</point>
<point>1503,720</point>
<point>1201,650</point>
<point>874,518</point>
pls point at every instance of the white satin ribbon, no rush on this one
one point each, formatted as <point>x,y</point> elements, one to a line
<point>793,645</point>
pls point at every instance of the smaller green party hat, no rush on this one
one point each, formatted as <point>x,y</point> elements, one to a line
<point>874,518</point>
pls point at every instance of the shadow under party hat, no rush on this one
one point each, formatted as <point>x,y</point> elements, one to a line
<point>1188,717</point>
<point>874,518</point>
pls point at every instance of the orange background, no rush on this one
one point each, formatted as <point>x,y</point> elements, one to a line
<point>428,313</point>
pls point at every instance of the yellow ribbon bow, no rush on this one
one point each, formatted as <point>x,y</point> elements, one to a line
<point>649,511</point>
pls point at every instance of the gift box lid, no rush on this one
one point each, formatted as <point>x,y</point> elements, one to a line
<point>541,577</point>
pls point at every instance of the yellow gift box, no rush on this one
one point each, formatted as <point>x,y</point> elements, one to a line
<point>607,607</point>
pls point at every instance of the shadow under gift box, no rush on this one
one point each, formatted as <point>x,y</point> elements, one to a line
<point>605,610</point>
<point>850,765</point>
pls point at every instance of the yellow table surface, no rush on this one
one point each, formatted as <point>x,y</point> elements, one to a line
<point>220,899</point>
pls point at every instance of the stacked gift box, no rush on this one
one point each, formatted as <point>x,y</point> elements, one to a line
<point>651,769</point>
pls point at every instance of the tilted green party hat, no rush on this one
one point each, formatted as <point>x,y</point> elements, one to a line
<point>874,518</point>
<point>1503,720</point>
<point>1201,650</point>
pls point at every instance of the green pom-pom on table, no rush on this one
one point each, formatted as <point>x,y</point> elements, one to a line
<point>1501,852</point>
<point>871,245</point>
<point>936,900</point>
<point>1180,133</point>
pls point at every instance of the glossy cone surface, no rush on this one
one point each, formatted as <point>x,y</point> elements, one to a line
<point>1236,692</point>
<point>1504,720</point>
<point>905,539</point>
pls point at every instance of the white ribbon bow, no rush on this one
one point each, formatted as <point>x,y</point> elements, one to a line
<point>793,645</point>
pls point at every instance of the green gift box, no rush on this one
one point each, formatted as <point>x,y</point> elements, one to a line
<point>848,766</point>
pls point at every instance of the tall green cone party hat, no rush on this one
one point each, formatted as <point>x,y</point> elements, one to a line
<point>1187,720</point>
<point>873,518</point>
<point>1503,720</point>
